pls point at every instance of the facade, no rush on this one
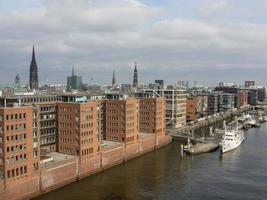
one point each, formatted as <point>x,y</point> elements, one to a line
<point>152,116</point>
<point>74,82</point>
<point>196,107</point>
<point>175,101</point>
<point>226,102</point>
<point>241,99</point>
<point>19,143</point>
<point>213,101</point>
<point>77,126</point>
<point>33,80</point>
<point>191,108</point>
<point>121,120</point>
<point>48,128</point>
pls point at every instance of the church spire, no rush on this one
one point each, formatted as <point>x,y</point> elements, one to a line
<point>33,72</point>
<point>113,79</point>
<point>135,78</point>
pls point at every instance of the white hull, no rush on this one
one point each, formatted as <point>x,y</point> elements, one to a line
<point>231,143</point>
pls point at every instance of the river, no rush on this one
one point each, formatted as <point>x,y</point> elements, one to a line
<point>163,174</point>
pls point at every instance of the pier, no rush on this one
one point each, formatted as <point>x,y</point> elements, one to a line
<point>188,131</point>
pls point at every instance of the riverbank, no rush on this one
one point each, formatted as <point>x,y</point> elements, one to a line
<point>65,169</point>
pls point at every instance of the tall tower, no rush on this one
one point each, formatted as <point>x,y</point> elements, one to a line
<point>33,73</point>
<point>113,80</point>
<point>135,78</point>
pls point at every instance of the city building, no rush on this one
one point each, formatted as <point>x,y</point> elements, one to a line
<point>33,81</point>
<point>77,126</point>
<point>175,100</point>
<point>196,107</point>
<point>19,143</point>
<point>121,120</point>
<point>226,102</point>
<point>74,82</point>
<point>152,116</point>
<point>241,99</point>
<point>213,102</point>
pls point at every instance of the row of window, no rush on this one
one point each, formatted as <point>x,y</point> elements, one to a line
<point>16,116</point>
<point>16,137</point>
<point>87,141</point>
<point>16,172</point>
<point>16,127</point>
<point>88,151</point>
<point>17,158</point>
<point>16,148</point>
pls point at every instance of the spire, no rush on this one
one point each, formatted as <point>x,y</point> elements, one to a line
<point>135,78</point>
<point>33,79</point>
<point>113,79</point>
<point>33,54</point>
<point>73,70</point>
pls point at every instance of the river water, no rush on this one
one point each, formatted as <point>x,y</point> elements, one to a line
<point>163,174</point>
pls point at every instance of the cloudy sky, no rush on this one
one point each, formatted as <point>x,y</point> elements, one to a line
<point>203,40</point>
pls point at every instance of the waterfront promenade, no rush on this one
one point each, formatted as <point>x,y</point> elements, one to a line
<point>188,130</point>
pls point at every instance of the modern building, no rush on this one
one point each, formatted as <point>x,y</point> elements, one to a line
<point>175,101</point>
<point>33,79</point>
<point>74,82</point>
<point>226,102</point>
<point>196,107</point>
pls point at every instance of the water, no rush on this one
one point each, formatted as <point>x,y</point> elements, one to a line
<point>240,174</point>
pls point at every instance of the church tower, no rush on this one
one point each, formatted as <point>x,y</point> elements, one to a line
<point>33,73</point>
<point>135,78</point>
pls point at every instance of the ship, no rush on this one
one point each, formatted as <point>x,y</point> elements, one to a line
<point>232,138</point>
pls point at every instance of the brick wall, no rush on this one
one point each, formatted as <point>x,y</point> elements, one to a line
<point>57,175</point>
<point>112,156</point>
<point>89,166</point>
<point>147,144</point>
<point>131,151</point>
<point>27,186</point>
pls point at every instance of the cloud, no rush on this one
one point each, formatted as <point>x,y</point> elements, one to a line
<point>99,36</point>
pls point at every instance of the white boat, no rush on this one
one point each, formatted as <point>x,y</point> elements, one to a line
<point>232,139</point>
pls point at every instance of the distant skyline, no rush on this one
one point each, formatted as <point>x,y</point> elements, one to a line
<point>207,41</point>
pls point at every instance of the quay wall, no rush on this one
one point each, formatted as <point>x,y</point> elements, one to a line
<point>25,188</point>
<point>56,175</point>
<point>112,156</point>
<point>52,177</point>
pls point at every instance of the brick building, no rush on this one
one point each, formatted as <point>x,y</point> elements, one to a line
<point>121,120</point>
<point>152,115</point>
<point>77,125</point>
<point>19,143</point>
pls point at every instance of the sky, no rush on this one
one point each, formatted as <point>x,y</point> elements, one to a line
<point>207,41</point>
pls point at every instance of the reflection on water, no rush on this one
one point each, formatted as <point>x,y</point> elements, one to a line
<point>163,174</point>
